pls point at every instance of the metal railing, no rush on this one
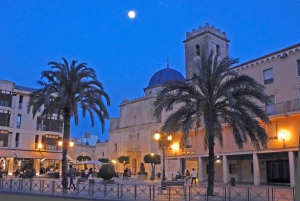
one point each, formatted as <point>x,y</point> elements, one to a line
<point>282,108</point>
<point>149,192</point>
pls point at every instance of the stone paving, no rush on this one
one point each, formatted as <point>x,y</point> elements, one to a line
<point>136,189</point>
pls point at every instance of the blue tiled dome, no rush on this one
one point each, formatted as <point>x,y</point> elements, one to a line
<point>165,75</point>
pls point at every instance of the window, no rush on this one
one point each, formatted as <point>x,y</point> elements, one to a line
<point>268,76</point>
<point>20,102</point>
<point>4,117</point>
<point>5,98</point>
<point>19,121</point>
<point>102,154</point>
<point>271,130</point>
<point>197,47</point>
<point>3,138</point>
<point>17,139</point>
<point>36,141</point>
<point>298,67</point>
<point>189,142</point>
<point>232,168</point>
<point>218,49</point>
<point>116,147</point>
<point>271,107</point>
<point>251,168</point>
<point>51,142</point>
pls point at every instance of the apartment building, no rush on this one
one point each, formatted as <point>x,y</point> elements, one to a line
<point>25,140</point>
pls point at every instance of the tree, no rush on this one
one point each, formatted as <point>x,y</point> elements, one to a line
<point>142,170</point>
<point>215,93</point>
<point>64,90</point>
<point>83,158</point>
<point>103,160</point>
<point>153,159</point>
<point>124,160</point>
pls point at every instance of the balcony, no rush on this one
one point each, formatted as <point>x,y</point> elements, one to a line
<point>282,108</point>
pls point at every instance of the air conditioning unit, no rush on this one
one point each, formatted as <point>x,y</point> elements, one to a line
<point>61,129</point>
<point>273,138</point>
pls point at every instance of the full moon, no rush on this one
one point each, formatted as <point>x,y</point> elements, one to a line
<point>131,14</point>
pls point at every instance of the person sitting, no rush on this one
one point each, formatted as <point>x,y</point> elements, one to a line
<point>178,175</point>
<point>173,178</point>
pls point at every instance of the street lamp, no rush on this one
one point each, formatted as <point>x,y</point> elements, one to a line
<point>164,141</point>
<point>71,143</point>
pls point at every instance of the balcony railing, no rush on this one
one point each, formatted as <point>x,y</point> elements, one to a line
<point>282,108</point>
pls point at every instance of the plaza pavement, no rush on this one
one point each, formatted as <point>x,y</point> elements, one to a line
<point>127,184</point>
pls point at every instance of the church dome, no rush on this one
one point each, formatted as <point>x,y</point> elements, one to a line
<point>165,75</point>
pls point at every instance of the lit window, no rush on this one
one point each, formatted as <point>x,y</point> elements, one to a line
<point>116,147</point>
<point>19,121</point>
<point>268,76</point>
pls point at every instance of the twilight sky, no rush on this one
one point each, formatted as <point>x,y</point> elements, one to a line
<point>126,52</point>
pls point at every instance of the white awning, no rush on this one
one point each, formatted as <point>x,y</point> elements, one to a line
<point>28,154</point>
<point>7,153</point>
<point>52,155</point>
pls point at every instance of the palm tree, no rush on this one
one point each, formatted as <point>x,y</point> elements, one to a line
<point>216,92</point>
<point>66,89</point>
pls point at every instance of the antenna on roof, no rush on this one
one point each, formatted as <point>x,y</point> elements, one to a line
<point>167,61</point>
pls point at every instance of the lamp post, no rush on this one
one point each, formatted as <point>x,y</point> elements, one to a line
<point>164,140</point>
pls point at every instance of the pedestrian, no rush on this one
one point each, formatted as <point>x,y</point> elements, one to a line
<point>72,176</point>
<point>86,174</point>
<point>187,177</point>
<point>125,174</point>
<point>194,176</point>
<point>90,173</point>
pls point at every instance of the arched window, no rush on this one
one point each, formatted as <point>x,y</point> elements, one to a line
<point>218,49</point>
<point>197,47</point>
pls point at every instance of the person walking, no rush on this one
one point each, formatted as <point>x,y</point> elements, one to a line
<point>86,174</point>
<point>194,176</point>
<point>125,176</point>
<point>90,173</point>
<point>72,176</point>
<point>187,177</point>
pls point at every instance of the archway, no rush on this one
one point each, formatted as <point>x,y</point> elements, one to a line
<point>133,165</point>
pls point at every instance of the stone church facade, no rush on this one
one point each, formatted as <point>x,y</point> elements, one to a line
<point>132,133</point>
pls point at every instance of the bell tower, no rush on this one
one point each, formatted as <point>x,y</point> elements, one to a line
<point>206,38</point>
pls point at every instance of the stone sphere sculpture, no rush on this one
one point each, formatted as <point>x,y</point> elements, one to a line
<point>107,171</point>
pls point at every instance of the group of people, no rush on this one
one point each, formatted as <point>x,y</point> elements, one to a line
<point>20,172</point>
<point>88,173</point>
<point>190,177</point>
<point>126,173</point>
<point>72,175</point>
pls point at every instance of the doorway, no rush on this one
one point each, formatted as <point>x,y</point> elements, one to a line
<point>278,171</point>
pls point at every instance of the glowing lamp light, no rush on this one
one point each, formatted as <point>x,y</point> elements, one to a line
<point>59,143</point>
<point>175,146</point>
<point>152,154</point>
<point>40,146</point>
<point>157,135</point>
<point>170,137</point>
<point>71,143</point>
<point>113,161</point>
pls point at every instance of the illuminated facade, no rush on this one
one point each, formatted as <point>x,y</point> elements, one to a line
<point>132,133</point>
<point>24,139</point>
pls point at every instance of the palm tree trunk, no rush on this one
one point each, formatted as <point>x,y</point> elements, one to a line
<point>66,138</point>
<point>211,168</point>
